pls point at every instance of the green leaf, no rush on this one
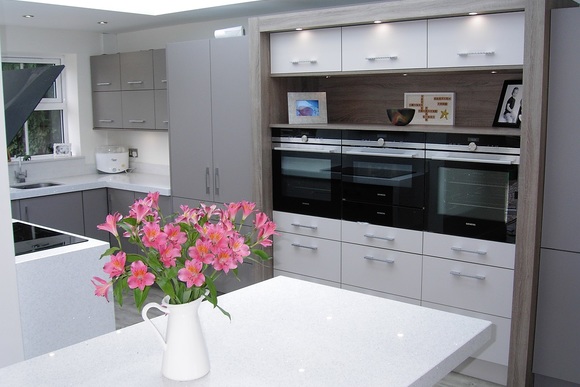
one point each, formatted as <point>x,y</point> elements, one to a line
<point>109,251</point>
<point>165,285</point>
<point>262,254</point>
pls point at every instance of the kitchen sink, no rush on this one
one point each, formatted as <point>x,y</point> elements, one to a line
<point>34,185</point>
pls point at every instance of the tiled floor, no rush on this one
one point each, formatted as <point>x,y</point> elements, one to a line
<point>128,315</point>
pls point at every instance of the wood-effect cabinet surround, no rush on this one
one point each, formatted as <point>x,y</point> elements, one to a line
<point>269,102</point>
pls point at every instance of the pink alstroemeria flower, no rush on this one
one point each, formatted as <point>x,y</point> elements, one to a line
<point>139,210</point>
<point>152,200</point>
<point>248,208</point>
<point>102,290</point>
<point>116,266</point>
<point>153,236</point>
<point>265,232</point>
<point>224,261</point>
<point>110,224</point>
<point>174,234</point>
<point>261,219</point>
<point>201,251</point>
<point>139,276</point>
<point>240,248</point>
<point>191,274</point>
<point>168,254</point>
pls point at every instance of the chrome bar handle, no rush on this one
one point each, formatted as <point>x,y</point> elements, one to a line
<point>390,239</point>
<point>207,180</point>
<point>391,57</point>
<point>106,121</point>
<point>304,226</point>
<point>304,247</point>
<point>459,274</point>
<point>462,250</point>
<point>137,121</point>
<point>386,260</point>
<point>135,82</point>
<point>103,83</point>
<point>467,53</point>
<point>298,61</point>
<point>216,181</point>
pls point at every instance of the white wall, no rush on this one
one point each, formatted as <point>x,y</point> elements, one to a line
<point>11,350</point>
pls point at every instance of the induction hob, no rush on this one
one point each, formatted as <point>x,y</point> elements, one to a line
<point>29,238</point>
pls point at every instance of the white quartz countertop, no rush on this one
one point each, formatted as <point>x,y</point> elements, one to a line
<point>139,182</point>
<point>283,332</point>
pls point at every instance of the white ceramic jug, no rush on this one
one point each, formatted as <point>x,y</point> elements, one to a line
<point>185,354</point>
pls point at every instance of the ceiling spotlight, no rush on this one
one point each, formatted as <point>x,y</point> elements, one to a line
<point>377,22</point>
<point>102,22</point>
<point>299,29</point>
<point>28,16</point>
<point>472,13</point>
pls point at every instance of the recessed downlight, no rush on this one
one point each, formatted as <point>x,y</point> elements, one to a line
<point>472,13</point>
<point>377,22</point>
<point>102,22</point>
<point>299,29</point>
<point>28,16</point>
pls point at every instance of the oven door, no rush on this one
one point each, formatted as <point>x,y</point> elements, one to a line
<point>307,179</point>
<point>472,195</point>
<point>384,176</point>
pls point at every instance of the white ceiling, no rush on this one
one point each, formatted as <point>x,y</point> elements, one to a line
<point>72,18</point>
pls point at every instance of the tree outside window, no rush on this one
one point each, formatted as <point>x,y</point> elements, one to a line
<point>45,126</point>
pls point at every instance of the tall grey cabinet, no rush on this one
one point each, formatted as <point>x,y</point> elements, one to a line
<point>210,135</point>
<point>557,341</point>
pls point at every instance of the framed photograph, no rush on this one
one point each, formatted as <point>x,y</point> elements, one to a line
<point>509,108</point>
<point>62,150</point>
<point>431,108</point>
<point>307,108</point>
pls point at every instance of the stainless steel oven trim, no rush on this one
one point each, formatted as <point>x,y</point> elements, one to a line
<point>383,152</point>
<point>306,148</point>
<point>478,148</point>
<point>483,158</point>
<point>385,144</point>
<point>307,140</point>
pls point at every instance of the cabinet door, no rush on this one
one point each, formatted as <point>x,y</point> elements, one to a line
<point>95,210</point>
<point>232,134</point>
<point>107,110</point>
<point>306,51</point>
<point>190,140</point>
<point>106,72</point>
<point>481,40</point>
<point>63,212</point>
<point>159,69</point>
<point>161,114</point>
<point>138,109</point>
<point>137,70</point>
<point>400,45</point>
<point>15,207</point>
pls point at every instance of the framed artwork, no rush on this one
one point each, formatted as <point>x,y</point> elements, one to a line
<point>307,108</point>
<point>431,108</point>
<point>509,107</point>
<point>62,150</point>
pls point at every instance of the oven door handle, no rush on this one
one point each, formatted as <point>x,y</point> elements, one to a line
<point>384,153</point>
<point>473,160</point>
<point>309,150</point>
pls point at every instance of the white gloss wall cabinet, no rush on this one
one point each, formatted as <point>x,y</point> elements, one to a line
<point>210,137</point>
<point>308,51</point>
<point>480,40</point>
<point>557,342</point>
<point>401,45</point>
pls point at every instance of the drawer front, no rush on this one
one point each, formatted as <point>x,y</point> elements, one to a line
<point>469,286</point>
<point>384,237</point>
<point>482,40</point>
<point>306,278</point>
<point>497,350</point>
<point>382,270</point>
<point>308,256</point>
<point>400,45</point>
<point>306,51</point>
<point>307,225</point>
<point>469,250</point>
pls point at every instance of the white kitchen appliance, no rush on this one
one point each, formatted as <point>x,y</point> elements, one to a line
<point>112,158</point>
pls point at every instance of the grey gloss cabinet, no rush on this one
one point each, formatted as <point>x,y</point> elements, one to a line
<point>63,211</point>
<point>137,70</point>
<point>95,211</point>
<point>106,72</point>
<point>557,341</point>
<point>210,135</point>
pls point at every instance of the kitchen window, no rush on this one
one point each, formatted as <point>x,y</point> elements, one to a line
<point>46,125</point>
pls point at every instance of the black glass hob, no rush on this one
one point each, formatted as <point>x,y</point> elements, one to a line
<point>29,238</point>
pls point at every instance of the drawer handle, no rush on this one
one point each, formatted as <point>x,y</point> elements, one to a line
<point>164,81</point>
<point>106,121</point>
<point>462,250</point>
<point>386,57</point>
<point>299,61</point>
<point>103,83</point>
<point>135,82</point>
<point>304,247</point>
<point>304,226</point>
<point>165,122</point>
<point>459,274</point>
<point>390,239</point>
<point>386,260</point>
<point>137,121</point>
<point>468,53</point>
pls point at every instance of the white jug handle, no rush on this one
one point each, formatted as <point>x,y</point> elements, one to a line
<point>146,318</point>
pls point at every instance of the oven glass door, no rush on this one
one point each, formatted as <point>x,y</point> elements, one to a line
<point>472,199</point>
<point>307,182</point>
<point>391,177</point>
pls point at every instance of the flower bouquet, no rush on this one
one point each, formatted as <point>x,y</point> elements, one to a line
<point>183,254</point>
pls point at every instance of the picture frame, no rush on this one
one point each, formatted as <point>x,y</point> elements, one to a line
<point>307,108</point>
<point>431,108</point>
<point>62,150</point>
<point>509,107</point>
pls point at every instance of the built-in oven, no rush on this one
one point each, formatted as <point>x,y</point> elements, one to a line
<point>473,185</point>
<point>306,171</point>
<point>383,178</point>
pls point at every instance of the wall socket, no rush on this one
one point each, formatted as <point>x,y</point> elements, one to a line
<point>133,152</point>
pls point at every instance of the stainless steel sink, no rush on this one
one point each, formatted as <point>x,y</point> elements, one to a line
<point>34,185</point>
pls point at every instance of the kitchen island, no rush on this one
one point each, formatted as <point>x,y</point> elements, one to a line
<point>283,332</point>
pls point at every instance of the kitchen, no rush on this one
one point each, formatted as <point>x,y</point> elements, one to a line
<point>87,44</point>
